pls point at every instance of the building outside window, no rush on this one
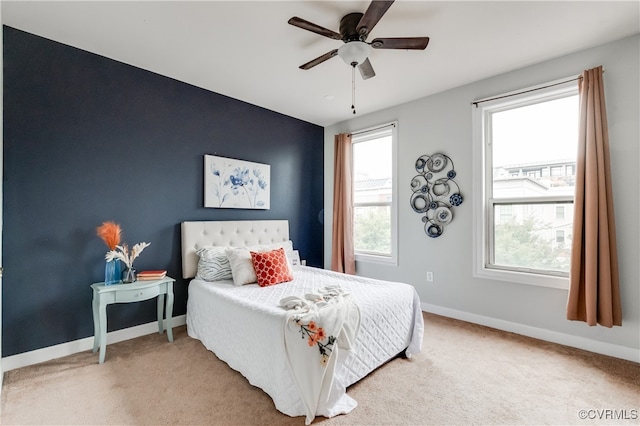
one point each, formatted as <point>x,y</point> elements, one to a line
<point>374,201</point>
<point>525,214</point>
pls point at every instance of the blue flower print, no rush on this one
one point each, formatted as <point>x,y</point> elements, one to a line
<point>239,177</point>
<point>237,185</point>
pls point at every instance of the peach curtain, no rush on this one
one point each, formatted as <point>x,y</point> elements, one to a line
<point>594,293</point>
<point>342,251</point>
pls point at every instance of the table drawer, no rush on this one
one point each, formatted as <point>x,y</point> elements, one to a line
<point>137,294</point>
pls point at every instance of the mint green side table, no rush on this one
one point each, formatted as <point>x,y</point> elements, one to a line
<point>138,291</point>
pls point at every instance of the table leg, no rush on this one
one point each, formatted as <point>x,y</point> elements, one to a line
<point>160,313</point>
<point>96,321</point>
<point>103,329</point>
<point>170,311</point>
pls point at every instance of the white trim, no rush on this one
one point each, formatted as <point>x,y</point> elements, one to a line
<point>609,349</point>
<point>521,277</point>
<point>373,133</point>
<point>373,258</point>
<point>482,175</point>
<point>69,348</point>
<point>552,88</point>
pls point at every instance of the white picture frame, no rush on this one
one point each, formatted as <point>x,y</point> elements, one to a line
<point>236,184</point>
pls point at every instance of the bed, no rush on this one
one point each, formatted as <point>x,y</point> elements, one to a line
<point>246,326</point>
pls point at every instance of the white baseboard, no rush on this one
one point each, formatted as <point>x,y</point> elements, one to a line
<point>590,345</point>
<point>58,351</point>
<point>69,348</point>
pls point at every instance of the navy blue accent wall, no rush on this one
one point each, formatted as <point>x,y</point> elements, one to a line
<point>88,139</point>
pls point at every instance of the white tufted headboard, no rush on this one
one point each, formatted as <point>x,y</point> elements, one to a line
<point>239,233</point>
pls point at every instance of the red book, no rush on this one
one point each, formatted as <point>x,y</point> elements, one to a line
<point>152,274</point>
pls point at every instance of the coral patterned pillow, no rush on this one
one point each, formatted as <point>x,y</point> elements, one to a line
<point>271,267</point>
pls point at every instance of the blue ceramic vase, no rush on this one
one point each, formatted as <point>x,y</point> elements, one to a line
<point>112,272</point>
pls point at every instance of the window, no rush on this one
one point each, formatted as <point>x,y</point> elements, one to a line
<point>556,171</point>
<point>571,170</point>
<point>518,216</point>
<point>374,194</point>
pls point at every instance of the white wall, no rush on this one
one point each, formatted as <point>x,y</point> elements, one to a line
<point>442,123</point>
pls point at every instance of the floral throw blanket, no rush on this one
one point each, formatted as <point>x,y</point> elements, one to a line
<point>317,328</point>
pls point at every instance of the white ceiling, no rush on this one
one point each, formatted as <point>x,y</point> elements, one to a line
<point>246,50</point>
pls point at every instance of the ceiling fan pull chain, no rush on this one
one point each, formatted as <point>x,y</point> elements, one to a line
<point>353,87</point>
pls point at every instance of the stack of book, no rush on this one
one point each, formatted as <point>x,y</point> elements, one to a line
<point>151,275</point>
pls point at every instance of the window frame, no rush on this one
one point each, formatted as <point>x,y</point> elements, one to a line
<point>365,135</point>
<point>484,203</point>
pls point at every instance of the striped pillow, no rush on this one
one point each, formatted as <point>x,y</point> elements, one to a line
<point>213,264</point>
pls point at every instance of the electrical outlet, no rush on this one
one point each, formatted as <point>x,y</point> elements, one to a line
<point>429,276</point>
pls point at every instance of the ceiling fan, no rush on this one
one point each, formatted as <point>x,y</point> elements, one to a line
<point>354,29</point>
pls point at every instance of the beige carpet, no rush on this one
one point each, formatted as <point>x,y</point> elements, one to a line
<point>466,374</point>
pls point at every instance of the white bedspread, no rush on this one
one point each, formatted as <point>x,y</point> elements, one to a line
<point>243,326</point>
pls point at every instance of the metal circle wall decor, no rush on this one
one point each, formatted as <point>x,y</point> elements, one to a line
<point>435,193</point>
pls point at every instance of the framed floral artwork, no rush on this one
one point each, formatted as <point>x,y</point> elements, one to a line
<point>236,184</point>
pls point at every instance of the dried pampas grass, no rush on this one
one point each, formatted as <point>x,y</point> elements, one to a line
<point>110,233</point>
<point>122,253</point>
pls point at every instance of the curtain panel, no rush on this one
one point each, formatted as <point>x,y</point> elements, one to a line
<point>342,250</point>
<point>594,293</point>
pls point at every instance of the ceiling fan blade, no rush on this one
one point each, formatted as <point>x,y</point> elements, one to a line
<point>319,60</point>
<point>413,43</point>
<point>310,26</point>
<point>374,12</point>
<point>366,70</point>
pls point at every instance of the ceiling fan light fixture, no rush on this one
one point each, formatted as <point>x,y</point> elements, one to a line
<point>354,52</point>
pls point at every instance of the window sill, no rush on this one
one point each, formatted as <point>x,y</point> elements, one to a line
<point>523,278</point>
<point>370,258</point>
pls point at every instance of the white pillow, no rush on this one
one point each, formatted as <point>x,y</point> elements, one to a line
<point>213,264</point>
<point>242,265</point>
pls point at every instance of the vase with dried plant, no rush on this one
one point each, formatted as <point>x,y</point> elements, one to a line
<point>122,253</point>
<point>111,233</point>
